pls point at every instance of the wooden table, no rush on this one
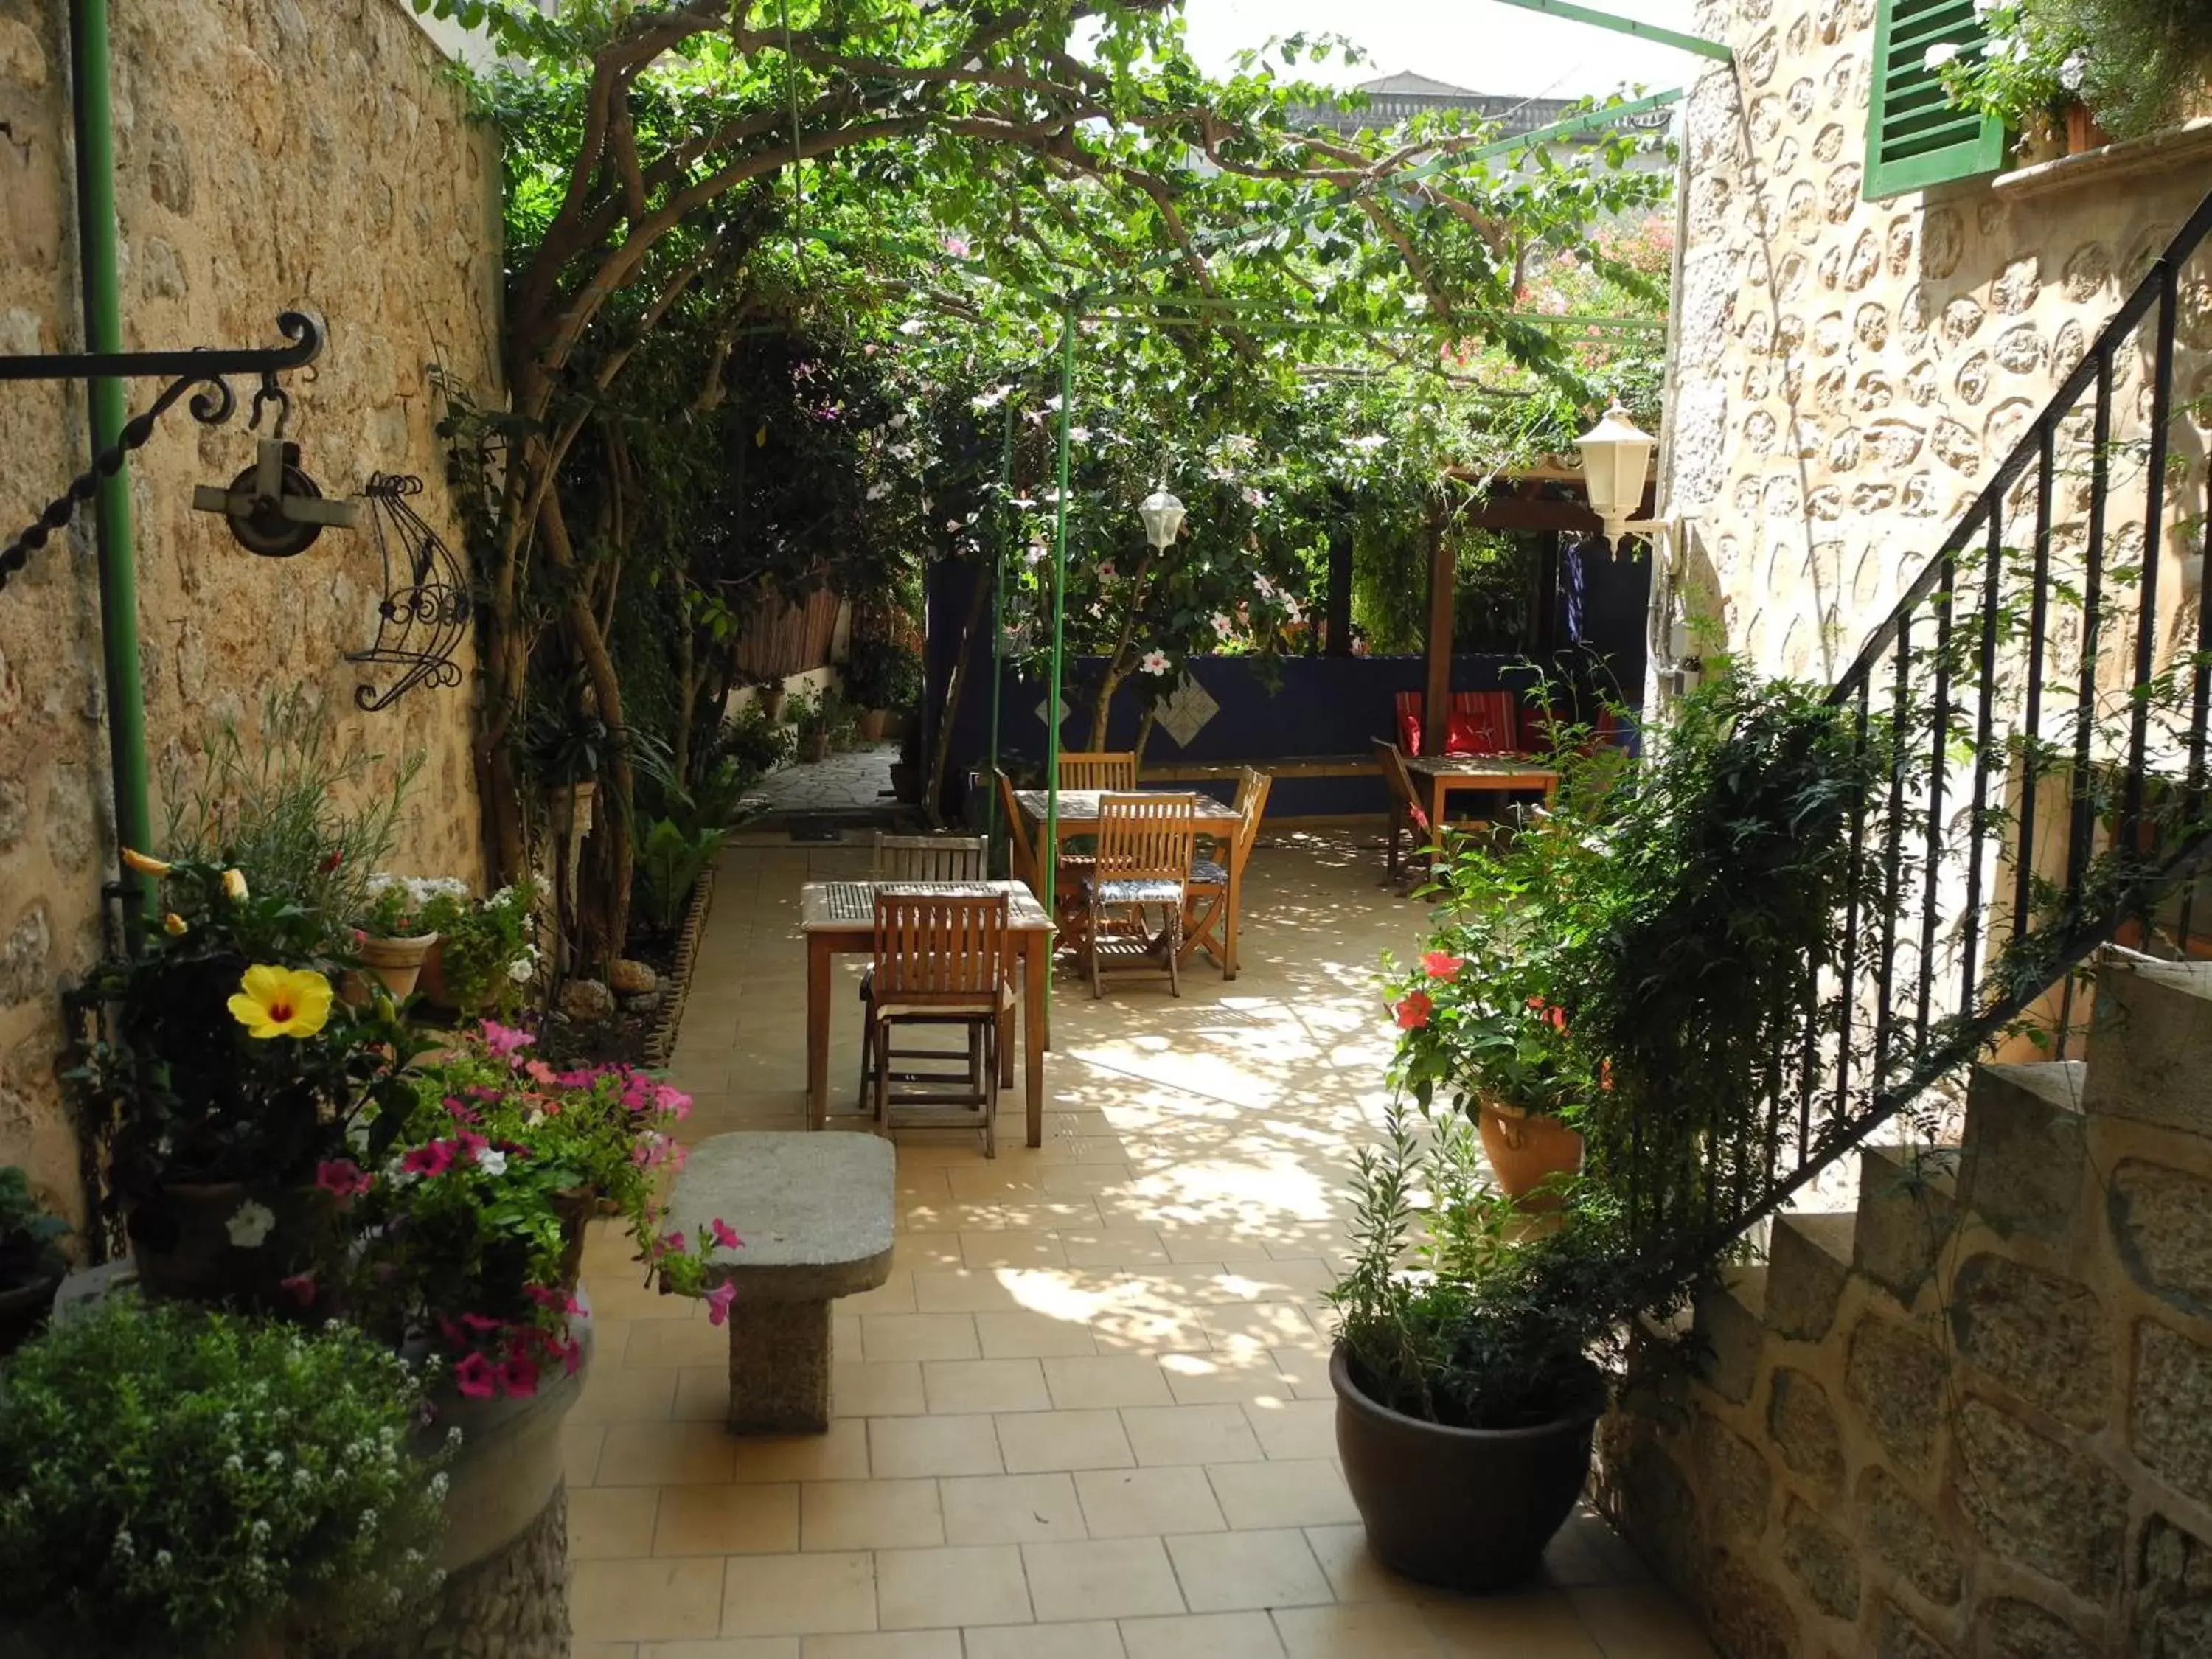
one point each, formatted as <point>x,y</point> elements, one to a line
<point>1079,815</point>
<point>839,918</point>
<point>1445,776</point>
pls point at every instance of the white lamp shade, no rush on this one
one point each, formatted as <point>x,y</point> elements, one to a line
<point>1163,516</point>
<point>1616,456</point>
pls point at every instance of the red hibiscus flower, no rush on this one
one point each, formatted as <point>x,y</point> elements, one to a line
<point>1413,1011</point>
<point>1442,964</point>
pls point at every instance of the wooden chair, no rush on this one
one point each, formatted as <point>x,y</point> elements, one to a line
<point>1021,856</point>
<point>921,858</point>
<point>1098,769</point>
<point>1211,918</point>
<point>1146,846</point>
<point>1405,808</point>
<point>942,958</point>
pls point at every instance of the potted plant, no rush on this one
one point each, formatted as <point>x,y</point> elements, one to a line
<point>226,1072</point>
<point>31,1260</point>
<point>390,937</point>
<point>809,717</point>
<point>885,680</point>
<point>2071,76</point>
<point>486,953</point>
<point>1465,1366</point>
<point>182,1483</point>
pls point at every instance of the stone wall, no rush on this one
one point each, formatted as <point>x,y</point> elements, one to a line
<point>1847,373</point>
<point>1974,1419</point>
<point>271,154</point>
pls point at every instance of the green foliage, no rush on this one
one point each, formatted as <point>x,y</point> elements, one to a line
<point>171,1479</point>
<point>277,809</point>
<point>487,948</point>
<point>884,675</point>
<point>756,744</point>
<point>30,1239</point>
<point>669,861</point>
<point>2138,64</point>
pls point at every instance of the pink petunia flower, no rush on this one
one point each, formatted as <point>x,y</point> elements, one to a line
<point>505,1041</point>
<point>726,1236</point>
<point>718,1300</point>
<point>519,1376</point>
<point>475,1376</point>
<point>300,1287</point>
<point>483,1323</point>
<point>674,1100</point>
<point>546,1297</point>
<point>434,1159</point>
<point>1413,1011</point>
<point>470,1143</point>
<point>1442,964</point>
<point>343,1178</point>
<point>540,1073</point>
<point>673,1243</point>
<point>460,1110</point>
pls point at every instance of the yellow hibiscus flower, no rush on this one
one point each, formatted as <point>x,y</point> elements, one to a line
<point>134,859</point>
<point>233,886</point>
<point>274,1002</point>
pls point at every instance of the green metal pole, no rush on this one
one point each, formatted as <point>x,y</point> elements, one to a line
<point>1050,853</point>
<point>1606,20</point>
<point>103,331</point>
<point>998,622</point>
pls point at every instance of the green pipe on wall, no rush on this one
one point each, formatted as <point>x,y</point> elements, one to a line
<point>90,76</point>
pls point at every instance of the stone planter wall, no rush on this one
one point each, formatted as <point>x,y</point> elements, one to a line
<point>1973,1420</point>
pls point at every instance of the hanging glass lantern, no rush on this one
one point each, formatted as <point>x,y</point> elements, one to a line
<point>1162,515</point>
<point>1616,456</point>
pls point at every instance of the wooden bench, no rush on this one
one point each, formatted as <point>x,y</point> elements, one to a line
<point>815,1213</point>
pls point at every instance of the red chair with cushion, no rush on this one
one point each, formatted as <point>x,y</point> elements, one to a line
<point>1481,724</point>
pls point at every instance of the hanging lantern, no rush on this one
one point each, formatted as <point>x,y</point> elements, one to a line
<point>1616,456</point>
<point>1163,516</point>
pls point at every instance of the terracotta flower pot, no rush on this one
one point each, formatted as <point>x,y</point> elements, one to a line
<point>2082,132</point>
<point>1526,1148</point>
<point>230,1242</point>
<point>1471,1508</point>
<point>398,961</point>
<point>438,994</point>
<point>874,724</point>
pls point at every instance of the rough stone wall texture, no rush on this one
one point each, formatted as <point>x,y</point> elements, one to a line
<point>271,154</point>
<point>2007,1455</point>
<point>1849,373</point>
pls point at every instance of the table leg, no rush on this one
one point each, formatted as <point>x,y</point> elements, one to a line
<point>1437,792</point>
<point>1036,963</point>
<point>1234,901</point>
<point>817,1031</point>
<point>779,1367</point>
<point>1397,824</point>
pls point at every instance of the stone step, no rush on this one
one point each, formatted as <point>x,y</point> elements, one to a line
<point>1808,1255</point>
<point>2150,1044</point>
<point>2020,1167</point>
<point>1908,1206</point>
<point>1727,1318</point>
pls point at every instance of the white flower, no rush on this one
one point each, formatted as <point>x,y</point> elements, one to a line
<point>1223,626</point>
<point>1253,497</point>
<point>492,1162</point>
<point>275,1459</point>
<point>1155,662</point>
<point>1373,440</point>
<point>520,969</point>
<point>2071,71</point>
<point>249,1225</point>
<point>912,326</point>
<point>1940,54</point>
<point>877,491</point>
<point>162,1558</point>
<point>438,1484</point>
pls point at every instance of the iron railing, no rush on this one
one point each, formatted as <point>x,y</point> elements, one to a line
<point>2035,708</point>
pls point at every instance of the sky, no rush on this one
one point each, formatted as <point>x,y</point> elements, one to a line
<point>1479,44</point>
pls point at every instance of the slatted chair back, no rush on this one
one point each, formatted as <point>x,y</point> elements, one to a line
<point>1252,787</point>
<point>929,858</point>
<point>1146,837</point>
<point>1400,782</point>
<point>940,949</point>
<point>1021,856</point>
<point>1098,769</point>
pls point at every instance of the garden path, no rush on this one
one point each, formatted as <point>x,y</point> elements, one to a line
<point>1088,1417</point>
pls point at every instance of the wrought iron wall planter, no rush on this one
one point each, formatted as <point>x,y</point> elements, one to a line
<point>425,610</point>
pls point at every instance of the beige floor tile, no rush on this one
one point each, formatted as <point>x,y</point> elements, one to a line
<point>609,1523</point>
<point>1147,1502</point>
<point>1112,1247</point>
<point>1292,1492</point>
<point>619,1394</point>
<point>1010,1508</point>
<point>1227,1570</point>
<point>1257,1325</point>
<point>869,1515</point>
<point>799,1594</point>
<point>1097,1639</point>
<point>1588,1552</point>
<point>1036,1441</point>
<point>747,1520</point>
<point>1353,1572</point>
<point>1156,1324</point>
<point>724,1647</point>
<point>894,1296</point>
<point>1041,1213</point>
<point>1082,1382</point>
<point>1216,1635</point>
<point>979,1252</point>
<point>909,1448</point>
<point>1639,1621</point>
<point>1212,1245</point>
<point>840,1454</point>
<point>1101,1578</point>
<point>884,1644</point>
<point>1293,1428</point>
<point>579,1452</point>
<point>665,1455</point>
<point>644,1600</point>
<point>1189,1434</point>
<point>620,1292</point>
<point>1028,1335</point>
<point>1537,1623</point>
<point>974,1585</point>
<point>1370,1630</point>
<point>658,1342</point>
<point>1307,1371</point>
<point>1223,1375</point>
<point>911,1252</point>
<point>954,1386</point>
<point>611,1651</point>
<point>918,1336</point>
<point>703,1392</point>
<point>877,1388</point>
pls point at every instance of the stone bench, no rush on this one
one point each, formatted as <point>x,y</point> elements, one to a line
<point>815,1213</point>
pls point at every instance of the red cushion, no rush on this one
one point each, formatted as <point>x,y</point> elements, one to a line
<point>1481,723</point>
<point>1409,721</point>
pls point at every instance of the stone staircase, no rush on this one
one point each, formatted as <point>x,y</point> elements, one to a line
<point>1973,1419</point>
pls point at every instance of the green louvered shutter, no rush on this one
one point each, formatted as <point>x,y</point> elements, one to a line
<point>1917,137</point>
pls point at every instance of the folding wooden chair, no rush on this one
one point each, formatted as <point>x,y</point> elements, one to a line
<point>1021,856</point>
<point>1406,808</point>
<point>942,958</point>
<point>1146,845</point>
<point>921,858</point>
<point>1211,921</point>
<point>1102,769</point>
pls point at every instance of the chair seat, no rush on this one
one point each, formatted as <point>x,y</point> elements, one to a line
<point>1138,892</point>
<point>981,1007</point>
<point>1206,873</point>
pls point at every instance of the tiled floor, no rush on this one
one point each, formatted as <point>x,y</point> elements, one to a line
<point>1088,1417</point>
<point>856,781</point>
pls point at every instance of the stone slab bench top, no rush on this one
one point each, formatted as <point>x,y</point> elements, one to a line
<point>814,1210</point>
